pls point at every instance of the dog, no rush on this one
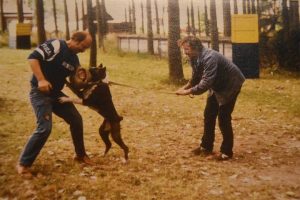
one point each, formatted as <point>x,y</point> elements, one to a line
<point>89,86</point>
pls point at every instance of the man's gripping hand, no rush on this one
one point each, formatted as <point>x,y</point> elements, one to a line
<point>44,86</point>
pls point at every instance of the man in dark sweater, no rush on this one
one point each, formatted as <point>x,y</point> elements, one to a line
<point>214,73</point>
<point>51,63</point>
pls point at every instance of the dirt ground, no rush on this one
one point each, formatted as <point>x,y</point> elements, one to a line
<point>160,130</point>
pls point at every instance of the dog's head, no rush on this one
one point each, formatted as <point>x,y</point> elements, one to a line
<point>98,73</point>
<point>80,78</point>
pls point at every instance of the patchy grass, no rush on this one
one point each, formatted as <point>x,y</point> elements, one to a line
<point>160,130</point>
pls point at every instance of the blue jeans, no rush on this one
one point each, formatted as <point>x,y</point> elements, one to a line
<point>43,106</point>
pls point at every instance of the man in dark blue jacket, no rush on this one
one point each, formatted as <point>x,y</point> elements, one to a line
<point>214,73</point>
<point>51,63</point>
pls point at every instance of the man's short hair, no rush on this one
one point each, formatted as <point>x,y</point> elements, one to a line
<point>192,41</point>
<point>79,36</point>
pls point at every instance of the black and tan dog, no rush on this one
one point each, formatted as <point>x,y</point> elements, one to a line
<point>95,93</point>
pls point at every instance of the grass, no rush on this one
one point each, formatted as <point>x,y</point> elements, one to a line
<point>160,130</point>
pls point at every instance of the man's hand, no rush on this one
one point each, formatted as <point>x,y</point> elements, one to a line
<point>183,92</point>
<point>44,86</point>
<point>64,99</point>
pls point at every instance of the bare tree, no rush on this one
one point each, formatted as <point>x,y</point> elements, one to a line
<point>174,54</point>
<point>67,20</point>
<point>142,10</point>
<point>227,18</point>
<point>91,27</point>
<point>76,15</point>
<point>149,28</point>
<point>193,19</point>
<point>55,18</point>
<point>126,15</point>
<point>40,21</point>
<point>157,18</point>
<point>214,26</point>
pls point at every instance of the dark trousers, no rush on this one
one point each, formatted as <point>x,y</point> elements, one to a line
<point>223,112</point>
<point>43,107</point>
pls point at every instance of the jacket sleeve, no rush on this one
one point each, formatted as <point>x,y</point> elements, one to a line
<point>208,77</point>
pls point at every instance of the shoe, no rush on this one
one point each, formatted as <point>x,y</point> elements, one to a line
<point>24,171</point>
<point>85,160</point>
<point>201,151</point>
<point>223,157</point>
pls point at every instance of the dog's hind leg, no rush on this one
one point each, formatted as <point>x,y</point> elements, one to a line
<point>104,133</point>
<point>116,135</point>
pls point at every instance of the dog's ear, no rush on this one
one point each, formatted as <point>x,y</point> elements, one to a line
<point>100,66</point>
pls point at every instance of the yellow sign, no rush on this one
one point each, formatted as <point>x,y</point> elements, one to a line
<point>244,28</point>
<point>23,29</point>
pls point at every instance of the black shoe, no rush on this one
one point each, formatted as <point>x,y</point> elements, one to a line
<point>201,151</point>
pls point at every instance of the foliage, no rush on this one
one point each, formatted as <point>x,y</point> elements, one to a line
<point>279,46</point>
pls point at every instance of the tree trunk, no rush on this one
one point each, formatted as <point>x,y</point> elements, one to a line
<point>40,21</point>
<point>91,27</point>
<point>67,20</point>
<point>163,21</point>
<point>149,28</point>
<point>244,7</point>
<point>130,19</point>
<point>206,19</point>
<point>20,11</point>
<point>133,18</point>
<point>285,19</point>
<point>258,8</point>
<point>253,10</point>
<point>99,23</point>
<point>248,7</point>
<point>125,14</point>
<point>235,7</point>
<point>142,10</point>
<point>188,30</point>
<point>214,26</point>
<point>55,18</point>
<point>3,21</point>
<point>294,15</point>
<point>157,18</point>
<point>193,19</point>
<point>76,16</point>
<point>227,18</point>
<point>174,54</point>
<point>104,25</point>
<point>199,22</point>
<point>82,11</point>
